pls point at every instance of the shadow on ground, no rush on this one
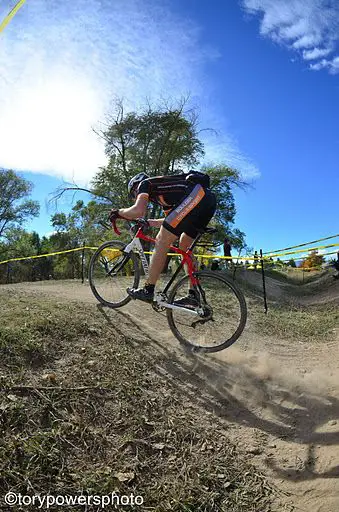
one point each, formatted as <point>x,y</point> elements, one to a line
<point>245,391</point>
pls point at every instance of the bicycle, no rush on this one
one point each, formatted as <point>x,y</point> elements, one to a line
<point>213,325</point>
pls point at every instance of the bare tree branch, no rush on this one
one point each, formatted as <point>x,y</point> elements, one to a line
<point>213,130</point>
<point>62,190</point>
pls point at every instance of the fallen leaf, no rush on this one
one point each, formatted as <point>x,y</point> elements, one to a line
<point>124,477</point>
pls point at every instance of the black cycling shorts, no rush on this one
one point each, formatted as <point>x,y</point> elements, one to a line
<point>192,214</point>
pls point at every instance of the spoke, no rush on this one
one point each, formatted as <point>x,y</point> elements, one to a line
<point>222,319</point>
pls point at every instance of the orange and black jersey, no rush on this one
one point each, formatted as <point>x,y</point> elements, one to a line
<point>166,191</point>
<point>188,206</point>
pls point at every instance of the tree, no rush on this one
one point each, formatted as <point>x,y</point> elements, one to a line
<point>20,244</point>
<point>14,207</point>
<point>79,227</point>
<point>223,179</point>
<point>313,260</point>
<point>279,264</point>
<point>156,140</point>
<point>161,141</point>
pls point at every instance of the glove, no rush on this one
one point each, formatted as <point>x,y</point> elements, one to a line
<point>114,214</point>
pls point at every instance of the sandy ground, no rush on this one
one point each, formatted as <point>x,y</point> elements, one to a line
<point>279,399</point>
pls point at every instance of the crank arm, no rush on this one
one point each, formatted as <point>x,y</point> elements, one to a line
<point>178,308</point>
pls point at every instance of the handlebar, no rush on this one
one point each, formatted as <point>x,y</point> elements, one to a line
<point>114,226</point>
<point>140,222</point>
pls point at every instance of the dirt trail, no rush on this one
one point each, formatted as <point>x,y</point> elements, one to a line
<point>279,400</point>
<point>323,289</point>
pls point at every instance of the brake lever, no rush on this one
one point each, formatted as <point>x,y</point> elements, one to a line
<point>114,225</point>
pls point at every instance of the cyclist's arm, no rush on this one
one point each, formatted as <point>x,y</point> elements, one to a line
<point>155,223</point>
<point>137,210</point>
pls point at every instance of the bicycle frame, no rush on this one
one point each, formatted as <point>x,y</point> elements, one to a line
<point>115,265</point>
<point>187,259</point>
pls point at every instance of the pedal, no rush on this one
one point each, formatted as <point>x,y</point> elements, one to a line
<point>159,297</point>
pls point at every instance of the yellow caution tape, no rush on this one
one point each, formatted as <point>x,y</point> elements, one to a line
<point>301,251</point>
<point>12,13</point>
<point>46,255</point>
<point>110,250</point>
<point>302,245</point>
<point>207,256</point>
<point>304,257</point>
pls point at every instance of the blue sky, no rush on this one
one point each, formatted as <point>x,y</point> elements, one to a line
<point>264,73</point>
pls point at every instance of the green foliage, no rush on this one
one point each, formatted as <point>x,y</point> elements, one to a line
<point>79,227</point>
<point>161,141</point>
<point>20,243</point>
<point>223,179</point>
<point>157,141</point>
<point>14,207</point>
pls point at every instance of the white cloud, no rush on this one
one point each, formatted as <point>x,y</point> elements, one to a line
<point>222,149</point>
<point>308,26</point>
<point>334,65</point>
<point>62,63</point>
<point>331,65</point>
<point>316,53</point>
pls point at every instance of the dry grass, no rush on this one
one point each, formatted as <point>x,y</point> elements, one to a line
<point>296,322</point>
<point>83,408</point>
<point>287,317</point>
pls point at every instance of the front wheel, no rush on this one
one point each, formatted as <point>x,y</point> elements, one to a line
<point>111,272</point>
<point>222,313</point>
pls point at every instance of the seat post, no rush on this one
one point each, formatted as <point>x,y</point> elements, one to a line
<point>195,241</point>
<point>200,234</point>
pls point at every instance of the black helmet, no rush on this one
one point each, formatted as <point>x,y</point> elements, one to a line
<point>134,183</point>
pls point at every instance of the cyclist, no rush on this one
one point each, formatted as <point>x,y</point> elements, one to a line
<point>188,205</point>
<point>336,266</point>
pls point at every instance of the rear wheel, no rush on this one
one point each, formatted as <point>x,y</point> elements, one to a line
<point>222,316</point>
<point>111,272</point>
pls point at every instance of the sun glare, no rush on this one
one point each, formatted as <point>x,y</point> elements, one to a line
<point>50,124</point>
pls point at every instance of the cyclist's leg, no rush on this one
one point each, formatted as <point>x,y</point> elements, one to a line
<point>187,222</point>
<point>162,243</point>
<point>185,241</point>
<point>190,299</point>
<point>195,211</point>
